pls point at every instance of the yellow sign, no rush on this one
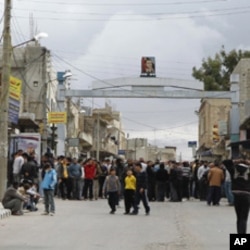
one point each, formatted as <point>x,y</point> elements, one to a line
<point>57,117</point>
<point>41,128</point>
<point>15,88</point>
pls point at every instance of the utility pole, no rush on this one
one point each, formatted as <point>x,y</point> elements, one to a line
<point>68,152</point>
<point>98,137</point>
<point>44,80</point>
<point>4,102</point>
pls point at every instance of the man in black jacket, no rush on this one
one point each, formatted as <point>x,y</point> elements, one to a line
<point>141,189</point>
<point>240,174</point>
<point>29,169</point>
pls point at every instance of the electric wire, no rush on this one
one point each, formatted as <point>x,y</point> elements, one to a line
<point>16,30</point>
<point>127,4</point>
<point>144,14</point>
<point>146,19</point>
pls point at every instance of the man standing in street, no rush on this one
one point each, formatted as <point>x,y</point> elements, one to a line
<point>75,173</point>
<point>17,165</point>
<point>202,180</point>
<point>89,173</point>
<point>48,185</point>
<point>141,189</point>
<point>215,180</point>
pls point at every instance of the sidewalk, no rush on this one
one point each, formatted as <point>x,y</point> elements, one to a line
<point>4,212</point>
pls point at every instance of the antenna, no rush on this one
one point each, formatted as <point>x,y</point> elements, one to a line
<point>31,20</point>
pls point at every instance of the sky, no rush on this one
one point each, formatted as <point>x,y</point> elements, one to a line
<point>105,39</point>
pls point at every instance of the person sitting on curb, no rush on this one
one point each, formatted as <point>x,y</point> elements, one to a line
<point>13,200</point>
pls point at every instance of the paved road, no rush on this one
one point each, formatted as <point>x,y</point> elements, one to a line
<point>78,225</point>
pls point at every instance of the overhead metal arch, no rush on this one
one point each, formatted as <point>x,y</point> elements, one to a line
<point>154,87</point>
<point>149,92</point>
<point>148,87</point>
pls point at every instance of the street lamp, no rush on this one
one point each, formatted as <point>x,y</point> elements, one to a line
<point>4,101</point>
<point>66,76</point>
<point>35,38</point>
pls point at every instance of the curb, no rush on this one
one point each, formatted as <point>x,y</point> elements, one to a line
<point>4,213</point>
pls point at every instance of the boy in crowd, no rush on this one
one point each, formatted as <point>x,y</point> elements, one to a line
<point>112,188</point>
<point>48,185</point>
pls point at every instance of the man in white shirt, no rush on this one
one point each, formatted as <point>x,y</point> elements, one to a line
<point>17,165</point>
<point>203,181</point>
<point>143,164</point>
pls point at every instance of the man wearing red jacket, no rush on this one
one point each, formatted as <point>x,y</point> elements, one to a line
<point>90,172</point>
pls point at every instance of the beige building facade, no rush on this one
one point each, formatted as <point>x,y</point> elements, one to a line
<point>213,128</point>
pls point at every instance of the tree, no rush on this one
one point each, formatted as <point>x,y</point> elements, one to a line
<point>215,72</point>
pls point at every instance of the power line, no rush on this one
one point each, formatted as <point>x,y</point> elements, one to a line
<point>128,4</point>
<point>121,57</point>
<point>173,17</point>
<point>136,14</point>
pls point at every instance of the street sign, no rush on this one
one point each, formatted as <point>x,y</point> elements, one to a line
<point>15,88</point>
<point>57,117</point>
<point>13,110</point>
<point>192,144</point>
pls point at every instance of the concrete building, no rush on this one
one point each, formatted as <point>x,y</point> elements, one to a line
<point>108,135</point>
<point>219,135</point>
<point>213,128</point>
<point>140,148</point>
<point>241,75</point>
<point>32,65</point>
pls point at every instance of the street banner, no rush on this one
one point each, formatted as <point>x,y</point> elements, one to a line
<point>57,117</point>
<point>15,88</point>
<point>14,106</point>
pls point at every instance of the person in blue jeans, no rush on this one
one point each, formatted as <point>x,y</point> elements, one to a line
<point>48,186</point>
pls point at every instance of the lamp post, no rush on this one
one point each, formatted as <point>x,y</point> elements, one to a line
<point>4,101</point>
<point>98,138</point>
<point>35,38</point>
<point>5,97</point>
<point>66,76</point>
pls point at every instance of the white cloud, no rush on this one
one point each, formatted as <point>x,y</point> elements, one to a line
<point>111,49</point>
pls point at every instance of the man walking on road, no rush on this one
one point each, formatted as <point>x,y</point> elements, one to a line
<point>240,174</point>
<point>141,189</point>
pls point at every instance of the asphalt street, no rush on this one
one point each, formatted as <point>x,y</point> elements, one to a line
<point>78,225</point>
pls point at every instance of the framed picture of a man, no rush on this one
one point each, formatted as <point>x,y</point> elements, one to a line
<point>147,66</point>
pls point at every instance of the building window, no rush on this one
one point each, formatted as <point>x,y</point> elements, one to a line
<point>35,84</point>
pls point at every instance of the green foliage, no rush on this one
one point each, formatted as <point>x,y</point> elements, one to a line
<point>215,72</point>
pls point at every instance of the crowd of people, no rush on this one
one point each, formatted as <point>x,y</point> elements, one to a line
<point>132,181</point>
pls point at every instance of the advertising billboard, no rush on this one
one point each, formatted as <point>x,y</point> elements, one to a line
<point>28,142</point>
